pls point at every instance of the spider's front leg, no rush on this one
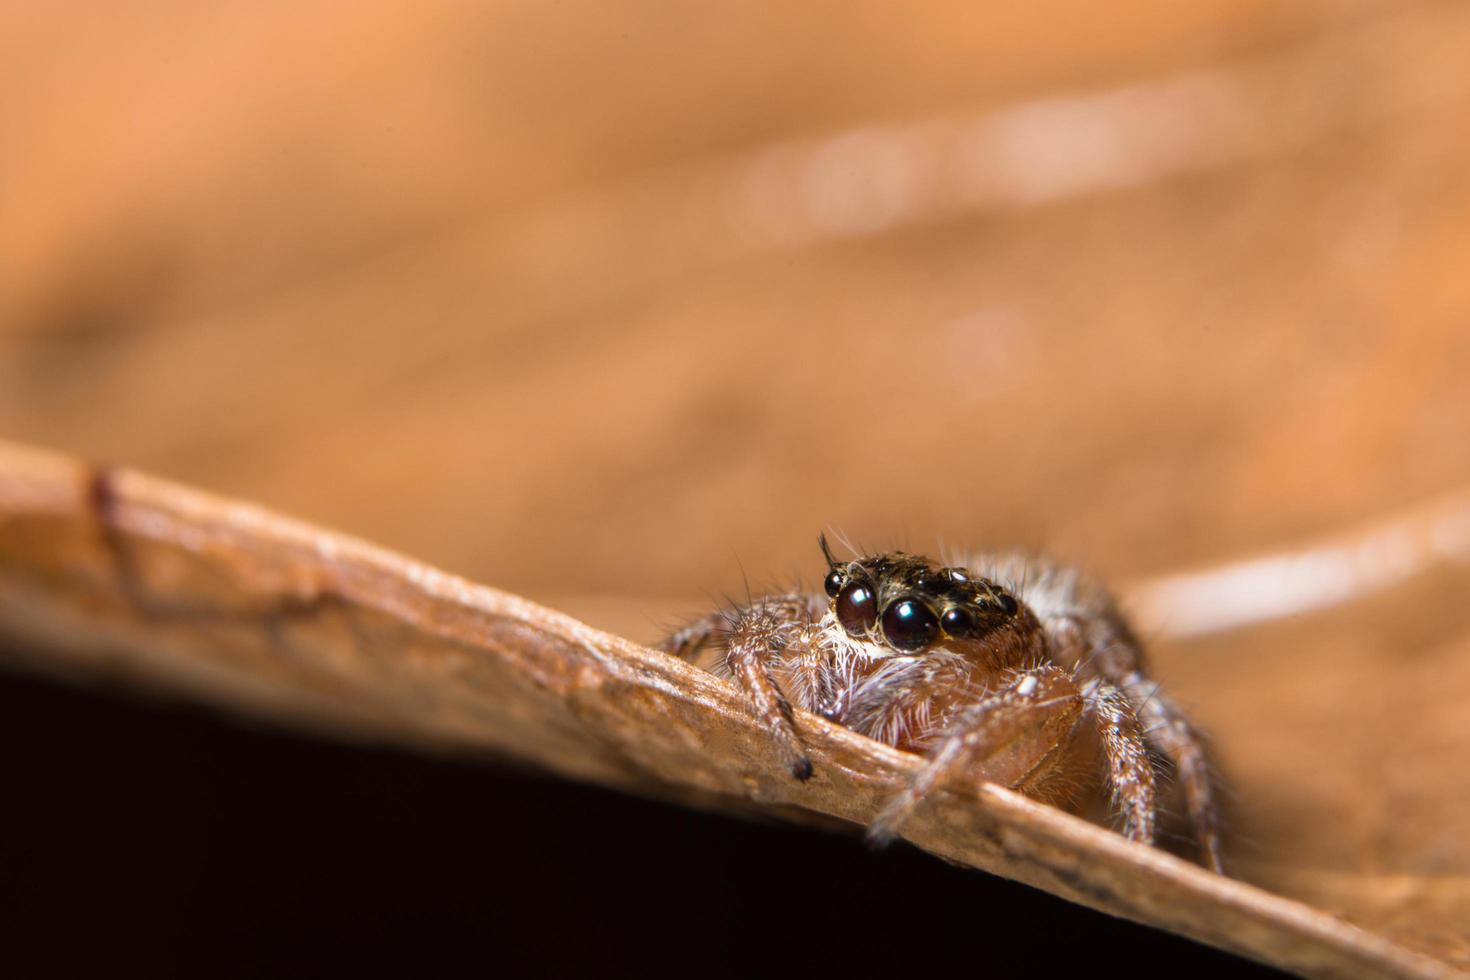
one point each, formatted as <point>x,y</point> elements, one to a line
<point>1130,770</point>
<point>1037,713</point>
<point>688,640</point>
<point>754,638</point>
<point>1042,703</point>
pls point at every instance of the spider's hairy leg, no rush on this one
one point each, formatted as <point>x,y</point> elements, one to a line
<point>759,634</point>
<point>1043,700</point>
<point>689,639</point>
<point>1130,771</point>
<point>1166,727</point>
<point>1107,648</point>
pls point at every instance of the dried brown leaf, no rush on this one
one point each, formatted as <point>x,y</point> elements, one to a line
<point>109,572</point>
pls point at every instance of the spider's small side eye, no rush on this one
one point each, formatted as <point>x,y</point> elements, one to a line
<point>957,622</point>
<point>833,585</point>
<point>909,625</point>
<point>1007,602</point>
<point>857,609</point>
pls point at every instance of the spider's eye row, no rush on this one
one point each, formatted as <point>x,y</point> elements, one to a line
<point>833,585</point>
<point>909,625</point>
<point>857,608</point>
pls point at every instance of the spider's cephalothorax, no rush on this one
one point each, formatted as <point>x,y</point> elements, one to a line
<point>1018,671</point>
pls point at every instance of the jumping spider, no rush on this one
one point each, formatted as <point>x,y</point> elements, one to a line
<point>1017,671</point>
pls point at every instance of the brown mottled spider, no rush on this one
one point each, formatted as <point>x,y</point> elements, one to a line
<point>1018,671</point>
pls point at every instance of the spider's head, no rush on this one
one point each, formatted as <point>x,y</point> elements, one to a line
<point>908,604</point>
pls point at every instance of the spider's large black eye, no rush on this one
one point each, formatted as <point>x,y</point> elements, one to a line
<point>909,625</point>
<point>957,622</point>
<point>833,585</point>
<point>857,609</point>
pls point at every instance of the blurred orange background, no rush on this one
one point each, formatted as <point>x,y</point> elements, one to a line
<point>629,301</point>
<point>615,299</point>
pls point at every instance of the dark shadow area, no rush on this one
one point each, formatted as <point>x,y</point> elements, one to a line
<point>155,837</point>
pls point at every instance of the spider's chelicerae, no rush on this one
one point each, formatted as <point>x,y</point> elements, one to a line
<point>1017,671</point>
